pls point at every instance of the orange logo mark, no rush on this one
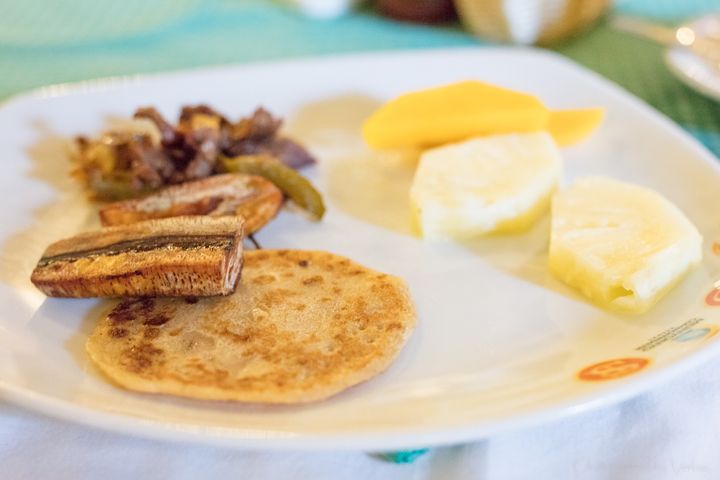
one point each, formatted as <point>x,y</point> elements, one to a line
<point>713,297</point>
<point>612,369</point>
<point>716,248</point>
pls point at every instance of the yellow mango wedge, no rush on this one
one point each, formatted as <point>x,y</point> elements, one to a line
<point>460,111</point>
<point>453,113</point>
<point>568,127</point>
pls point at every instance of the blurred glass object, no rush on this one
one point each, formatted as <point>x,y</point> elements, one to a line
<point>529,21</point>
<point>323,9</point>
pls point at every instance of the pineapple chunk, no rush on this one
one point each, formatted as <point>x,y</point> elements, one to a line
<point>621,245</point>
<point>500,183</point>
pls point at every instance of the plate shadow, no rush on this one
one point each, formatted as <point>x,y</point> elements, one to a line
<point>370,186</point>
<point>49,162</point>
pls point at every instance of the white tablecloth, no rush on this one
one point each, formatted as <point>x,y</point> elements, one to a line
<point>672,432</point>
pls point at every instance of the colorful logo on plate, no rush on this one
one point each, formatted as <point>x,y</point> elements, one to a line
<point>697,333</point>
<point>612,369</point>
<point>713,297</point>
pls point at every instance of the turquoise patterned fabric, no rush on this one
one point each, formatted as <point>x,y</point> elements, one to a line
<point>44,42</point>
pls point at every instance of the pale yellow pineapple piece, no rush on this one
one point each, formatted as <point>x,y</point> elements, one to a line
<point>501,183</point>
<point>621,245</point>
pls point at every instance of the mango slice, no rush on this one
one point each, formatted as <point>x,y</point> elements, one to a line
<point>460,111</point>
<point>452,113</point>
<point>570,126</point>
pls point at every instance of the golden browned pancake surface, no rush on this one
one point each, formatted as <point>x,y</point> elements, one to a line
<point>301,326</point>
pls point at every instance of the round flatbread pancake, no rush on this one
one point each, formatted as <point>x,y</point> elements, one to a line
<point>301,326</point>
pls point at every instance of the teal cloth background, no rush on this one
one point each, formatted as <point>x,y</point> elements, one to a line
<point>44,42</point>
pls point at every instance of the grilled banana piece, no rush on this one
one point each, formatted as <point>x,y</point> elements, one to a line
<point>252,197</point>
<point>181,256</point>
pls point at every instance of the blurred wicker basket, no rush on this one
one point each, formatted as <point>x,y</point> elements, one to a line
<point>529,21</point>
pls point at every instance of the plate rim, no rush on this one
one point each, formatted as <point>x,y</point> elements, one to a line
<point>680,75</point>
<point>687,80</point>
<point>264,440</point>
<point>405,438</point>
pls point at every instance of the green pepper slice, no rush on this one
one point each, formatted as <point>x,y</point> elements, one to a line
<point>296,187</point>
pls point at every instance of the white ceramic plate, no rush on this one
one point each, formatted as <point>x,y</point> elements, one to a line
<point>696,72</point>
<point>499,343</point>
